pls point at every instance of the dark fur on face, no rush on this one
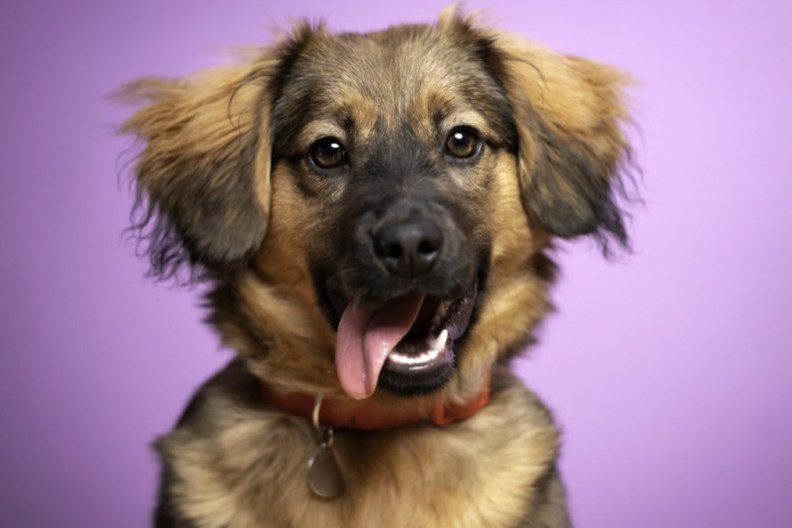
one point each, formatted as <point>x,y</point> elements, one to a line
<point>420,169</point>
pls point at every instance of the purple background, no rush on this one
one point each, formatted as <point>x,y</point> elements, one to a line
<point>670,372</point>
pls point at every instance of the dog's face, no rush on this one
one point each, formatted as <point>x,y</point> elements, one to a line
<point>393,170</point>
<point>379,203</point>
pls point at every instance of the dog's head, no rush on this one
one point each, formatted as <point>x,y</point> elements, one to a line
<point>381,202</point>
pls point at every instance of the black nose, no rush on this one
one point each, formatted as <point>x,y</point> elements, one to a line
<point>408,248</point>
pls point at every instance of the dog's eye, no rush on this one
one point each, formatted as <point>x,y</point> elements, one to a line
<point>463,142</point>
<point>328,153</point>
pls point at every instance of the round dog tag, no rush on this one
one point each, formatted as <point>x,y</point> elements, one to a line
<point>324,477</point>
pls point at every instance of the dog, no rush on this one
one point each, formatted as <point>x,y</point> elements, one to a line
<point>376,214</point>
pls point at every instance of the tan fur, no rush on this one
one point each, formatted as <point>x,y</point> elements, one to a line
<point>257,223</point>
<point>203,116</point>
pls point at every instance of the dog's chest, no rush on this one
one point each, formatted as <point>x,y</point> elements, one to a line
<point>251,472</point>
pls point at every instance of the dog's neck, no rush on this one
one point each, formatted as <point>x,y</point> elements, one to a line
<point>369,414</point>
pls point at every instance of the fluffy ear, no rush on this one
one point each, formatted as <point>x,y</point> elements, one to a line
<point>203,174</point>
<point>569,114</point>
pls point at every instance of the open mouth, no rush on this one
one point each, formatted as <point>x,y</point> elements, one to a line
<point>405,345</point>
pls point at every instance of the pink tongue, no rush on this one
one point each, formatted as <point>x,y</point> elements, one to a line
<point>365,338</point>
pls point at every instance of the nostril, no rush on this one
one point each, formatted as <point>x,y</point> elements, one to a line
<point>428,247</point>
<point>393,250</point>
<point>387,243</point>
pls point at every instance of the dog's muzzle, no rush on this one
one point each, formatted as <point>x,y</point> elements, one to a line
<point>406,295</point>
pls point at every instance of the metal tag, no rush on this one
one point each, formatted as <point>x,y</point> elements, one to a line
<point>324,478</point>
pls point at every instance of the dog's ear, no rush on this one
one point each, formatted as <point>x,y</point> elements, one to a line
<point>569,114</point>
<point>203,174</point>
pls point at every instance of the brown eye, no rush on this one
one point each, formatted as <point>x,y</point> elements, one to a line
<point>328,153</point>
<point>463,142</point>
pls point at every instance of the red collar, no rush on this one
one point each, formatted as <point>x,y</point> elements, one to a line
<point>367,414</point>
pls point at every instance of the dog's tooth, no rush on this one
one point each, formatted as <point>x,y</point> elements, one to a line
<point>431,354</point>
<point>434,347</point>
<point>439,342</point>
<point>421,359</point>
